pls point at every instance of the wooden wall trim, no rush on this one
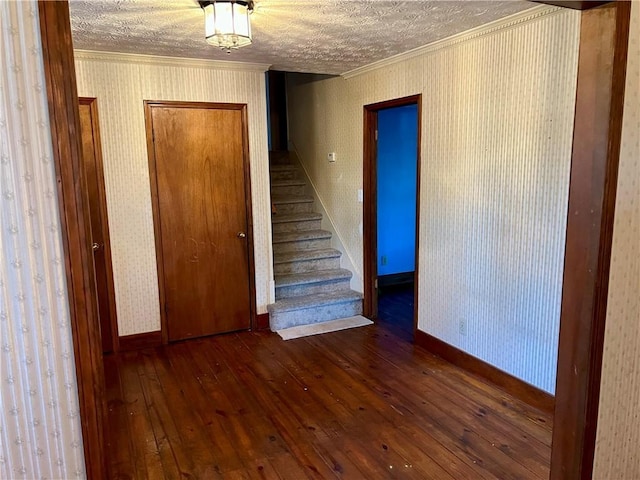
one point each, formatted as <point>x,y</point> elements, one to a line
<point>140,341</point>
<point>262,321</point>
<point>64,120</point>
<point>514,386</point>
<point>604,39</point>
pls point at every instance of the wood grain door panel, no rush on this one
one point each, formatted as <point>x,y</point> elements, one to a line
<point>202,218</point>
<point>92,165</point>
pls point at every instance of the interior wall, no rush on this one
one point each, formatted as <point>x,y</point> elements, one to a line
<point>618,437</point>
<point>121,83</point>
<point>397,163</point>
<point>497,122</point>
<point>40,433</point>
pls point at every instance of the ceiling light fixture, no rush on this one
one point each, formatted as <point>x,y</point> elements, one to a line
<point>226,23</point>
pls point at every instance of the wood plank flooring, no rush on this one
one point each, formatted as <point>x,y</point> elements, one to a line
<point>356,404</point>
<point>395,309</point>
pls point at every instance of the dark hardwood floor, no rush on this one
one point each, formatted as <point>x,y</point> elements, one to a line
<point>356,404</point>
<point>395,309</point>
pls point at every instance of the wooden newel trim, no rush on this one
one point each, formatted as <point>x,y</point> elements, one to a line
<point>64,119</point>
<point>604,41</point>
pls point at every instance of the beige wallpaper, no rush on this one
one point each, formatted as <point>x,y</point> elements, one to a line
<point>618,441</point>
<point>121,83</point>
<point>497,122</point>
<point>40,434</point>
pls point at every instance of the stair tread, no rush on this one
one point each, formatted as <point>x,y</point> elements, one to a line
<point>288,183</point>
<point>300,235</point>
<point>316,276</point>
<point>306,255</point>
<point>279,199</point>
<point>314,300</point>
<point>296,217</point>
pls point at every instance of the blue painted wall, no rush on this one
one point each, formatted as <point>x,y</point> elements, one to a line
<point>396,172</point>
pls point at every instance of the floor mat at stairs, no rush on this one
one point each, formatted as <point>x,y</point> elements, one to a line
<point>324,327</point>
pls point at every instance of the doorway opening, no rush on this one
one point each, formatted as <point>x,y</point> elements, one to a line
<point>391,173</point>
<point>600,98</point>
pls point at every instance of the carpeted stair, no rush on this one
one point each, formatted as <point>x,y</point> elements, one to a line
<point>310,285</point>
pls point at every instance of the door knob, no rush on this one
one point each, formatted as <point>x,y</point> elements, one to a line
<point>241,235</point>
<point>95,246</point>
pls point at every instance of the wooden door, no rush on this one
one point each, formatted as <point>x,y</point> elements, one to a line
<point>198,158</point>
<point>92,164</point>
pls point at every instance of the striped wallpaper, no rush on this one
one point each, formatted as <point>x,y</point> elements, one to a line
<point>497,122</point>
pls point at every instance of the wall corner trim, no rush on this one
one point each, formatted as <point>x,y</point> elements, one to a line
<point>501,24</point>
<point>163,61</point>
<point>529,394</point>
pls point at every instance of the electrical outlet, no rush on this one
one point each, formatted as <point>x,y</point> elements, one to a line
<point>331,157</point>
<point>383,260</point>
<point>462,327</point>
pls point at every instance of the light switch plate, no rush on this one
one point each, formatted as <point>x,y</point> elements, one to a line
<point>331,157</point>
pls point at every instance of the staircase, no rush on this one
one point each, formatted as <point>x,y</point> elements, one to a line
<point>310,285</point>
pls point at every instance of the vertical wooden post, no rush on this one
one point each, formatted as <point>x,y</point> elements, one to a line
<point>64,118</point>
<point>604,38</point>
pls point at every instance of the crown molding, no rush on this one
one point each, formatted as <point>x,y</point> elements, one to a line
<point>157,60</point>
<point>499,25</point>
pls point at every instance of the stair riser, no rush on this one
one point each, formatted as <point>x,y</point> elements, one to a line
<point>311,288</point>
<point>282,320</point>
<point>301,245</point>
<point>307,265</point>
<point>297,226</point>
<point>288,190</point>
<point>286,208</point>
<point>283,175</point>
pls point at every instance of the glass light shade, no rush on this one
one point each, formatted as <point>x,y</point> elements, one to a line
<point>227,24</point>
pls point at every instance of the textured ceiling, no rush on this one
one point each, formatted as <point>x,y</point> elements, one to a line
<point>318,36</point>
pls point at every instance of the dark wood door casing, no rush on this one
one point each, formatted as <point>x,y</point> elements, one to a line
<point>602,63</point>
<point>64,119</point>
<point>202,217</point>
<point>100,239</point>
<point>370,199</point>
